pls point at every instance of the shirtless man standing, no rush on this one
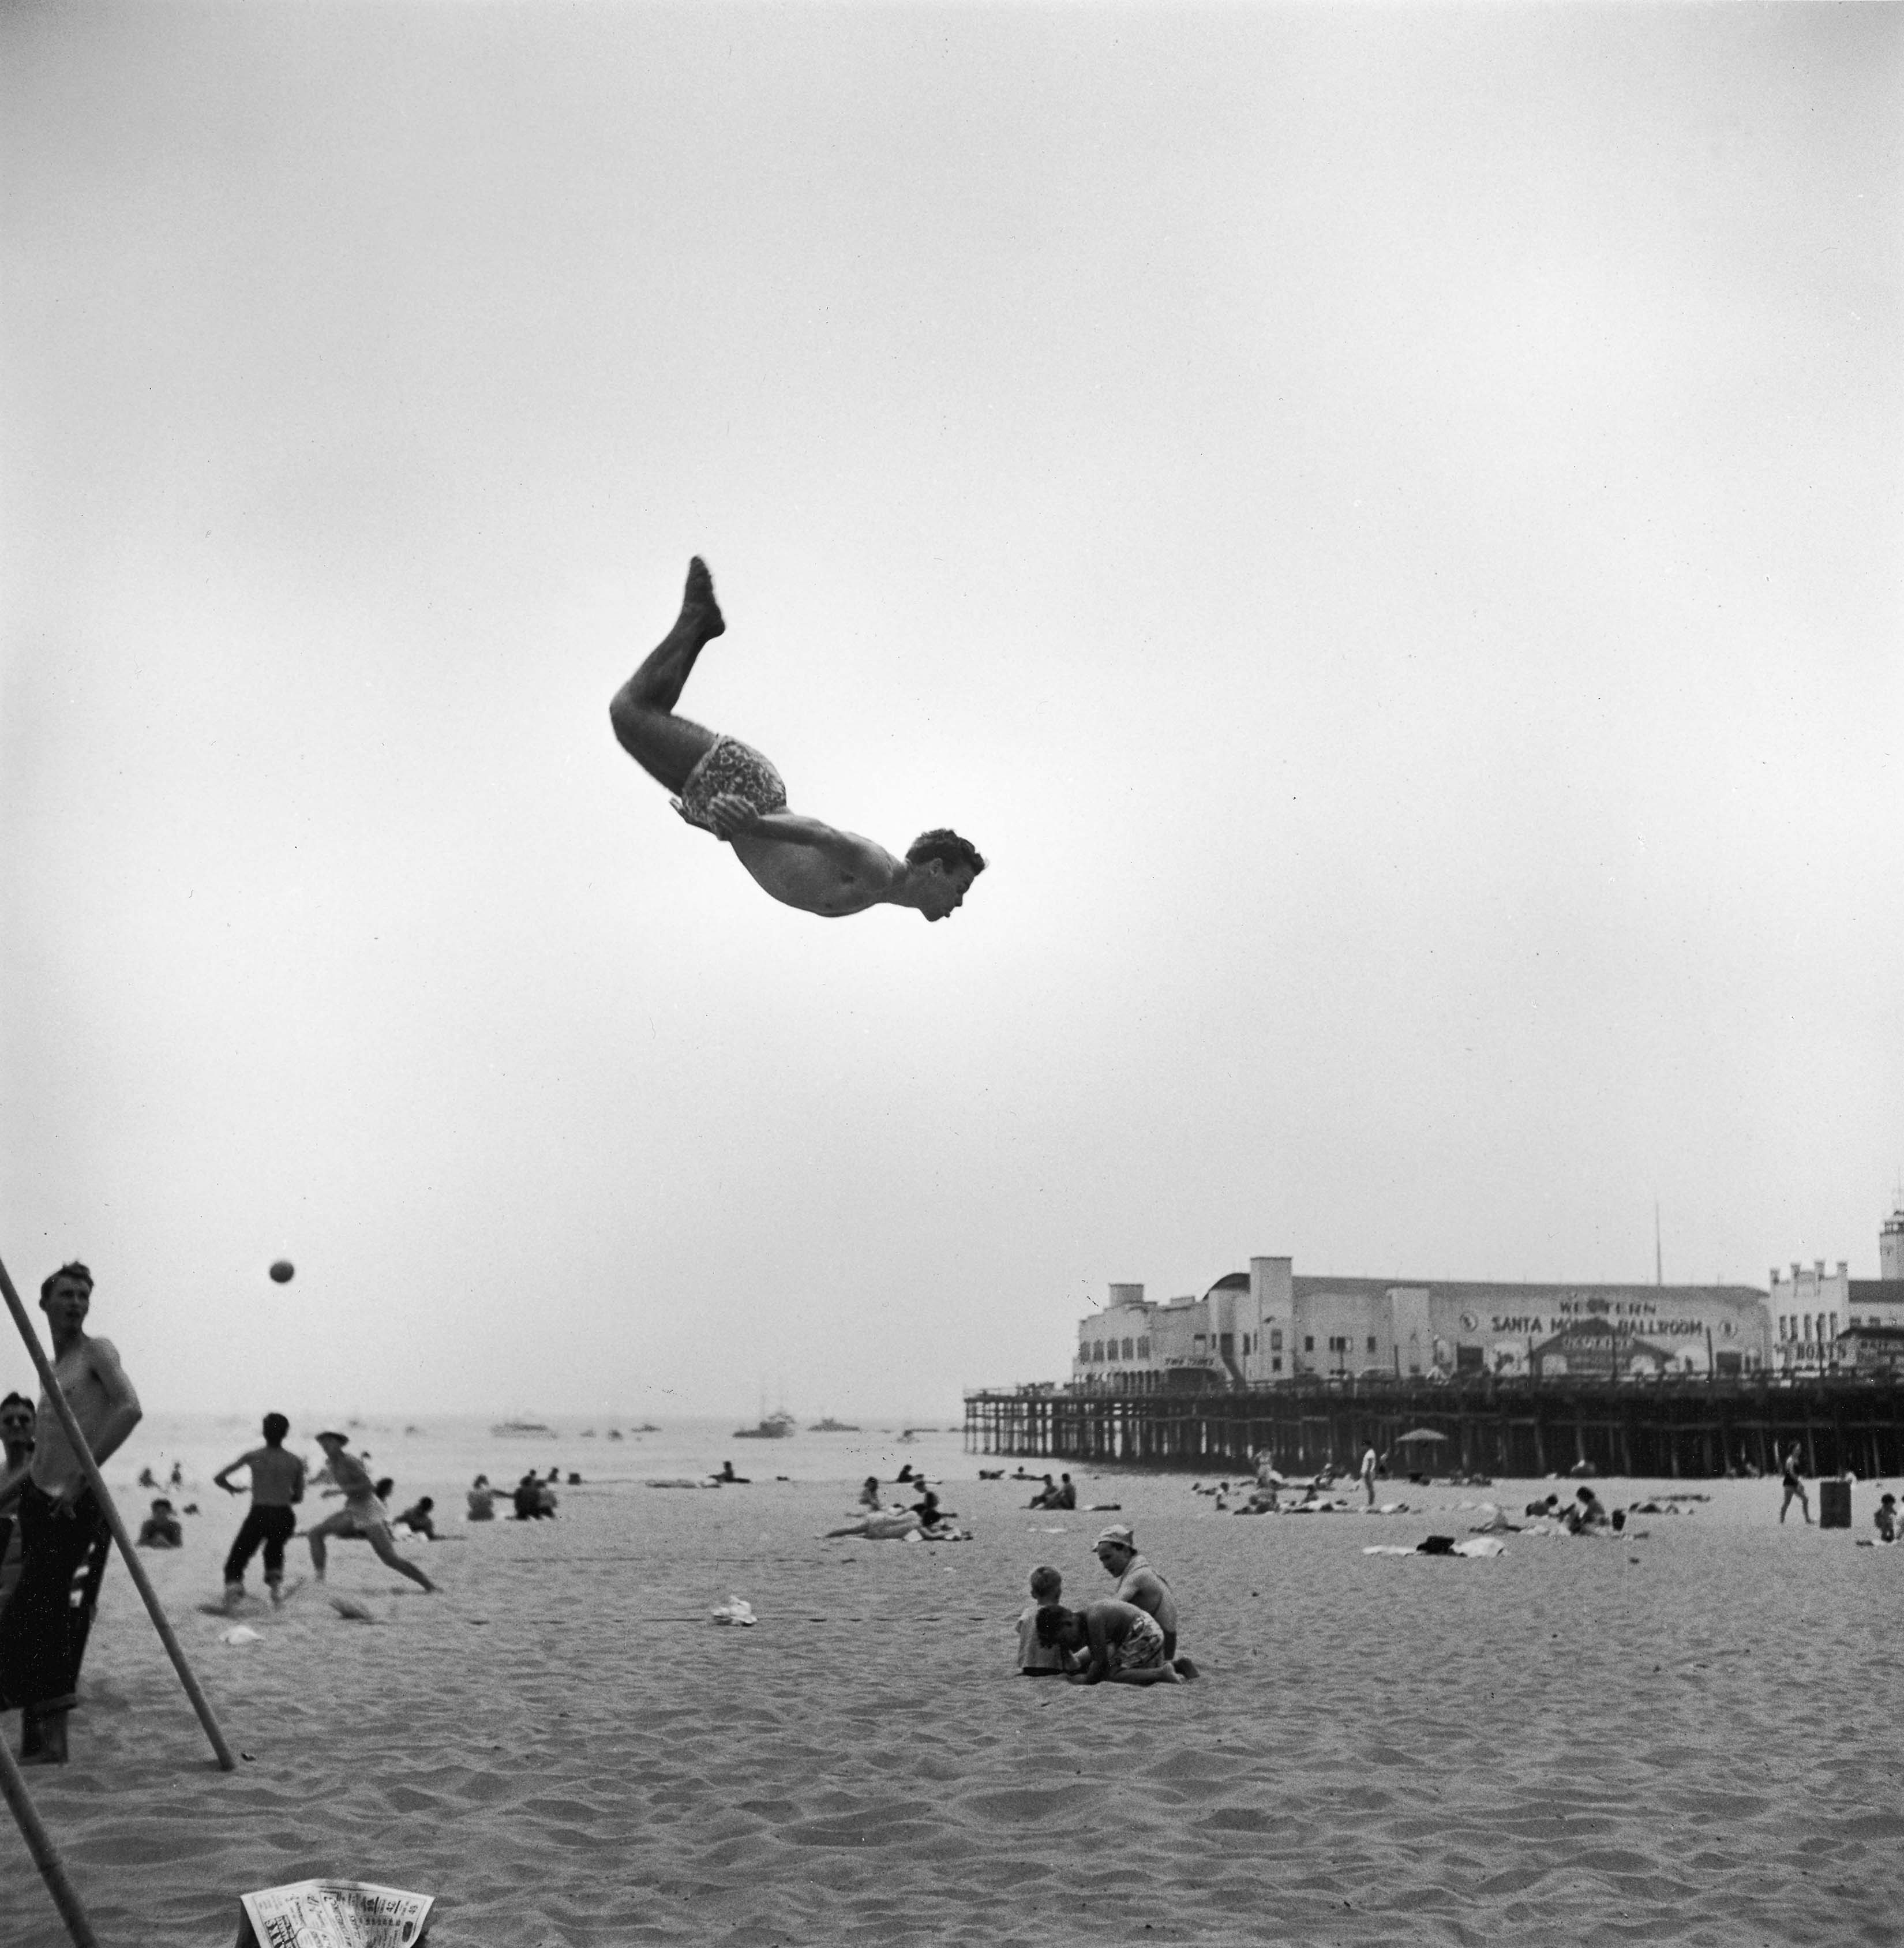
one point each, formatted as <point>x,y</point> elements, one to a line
<point>731,789</point>
<point>60,1518</point>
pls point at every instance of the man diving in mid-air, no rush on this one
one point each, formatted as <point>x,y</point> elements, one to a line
<point>729,789</point>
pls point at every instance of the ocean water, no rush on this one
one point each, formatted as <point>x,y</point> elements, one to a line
<point>441,1455</point>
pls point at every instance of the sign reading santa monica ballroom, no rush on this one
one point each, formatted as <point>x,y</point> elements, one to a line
<point>1271,1324</point>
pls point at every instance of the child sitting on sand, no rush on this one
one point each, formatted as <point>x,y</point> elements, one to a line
<point>1884,1519</point>
<point>1035,1659</point>
<point>1124,1645</point>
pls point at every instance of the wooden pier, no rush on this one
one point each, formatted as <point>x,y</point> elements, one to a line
<point>1689,1429</point>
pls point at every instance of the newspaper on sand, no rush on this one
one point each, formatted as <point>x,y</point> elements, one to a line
<point>333,1914</point>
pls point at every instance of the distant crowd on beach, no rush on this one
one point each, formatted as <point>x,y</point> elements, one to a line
<point>54,1533</point>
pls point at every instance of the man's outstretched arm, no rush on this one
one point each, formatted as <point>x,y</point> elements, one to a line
<point>733,817</point>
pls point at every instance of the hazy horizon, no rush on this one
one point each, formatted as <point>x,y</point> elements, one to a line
<point>1381,523</point>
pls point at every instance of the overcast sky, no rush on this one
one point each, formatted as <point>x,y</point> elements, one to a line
<point>1383,525</point>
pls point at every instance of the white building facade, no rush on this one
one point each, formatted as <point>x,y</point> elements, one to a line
<point>1270,1324</point>
<point>1817,1318</point>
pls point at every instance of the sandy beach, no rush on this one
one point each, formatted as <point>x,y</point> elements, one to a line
<point>1689,1735</point>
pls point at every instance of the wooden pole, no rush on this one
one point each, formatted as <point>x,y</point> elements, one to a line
<point>39,1844</point>
<point>76,1439</point>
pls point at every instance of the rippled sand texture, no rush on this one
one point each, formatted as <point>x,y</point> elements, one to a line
<point>1689,1737</point>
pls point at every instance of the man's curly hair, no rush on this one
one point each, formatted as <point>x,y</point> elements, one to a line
<point>945,846</point>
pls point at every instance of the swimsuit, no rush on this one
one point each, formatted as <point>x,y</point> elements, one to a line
<point>730,766</point>
<point>1143,1647</point>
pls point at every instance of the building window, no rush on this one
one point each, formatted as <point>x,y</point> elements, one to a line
<point>1338,1343</point>
<point>1097,1349</point>
<point>1127,1349</point>
<point>1143,1348</point>
<point>1226,1342</point>
<point>1372,1342</point>
<point>1309,1342</point>
<point>1275,1339</point>
<point>1245,1345</point>
<point>1834,1326</point>
<point>1275,1366</point>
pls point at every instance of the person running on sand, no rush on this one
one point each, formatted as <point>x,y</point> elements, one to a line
<point>1124,1644</point>
<point>1794,1487</point>
<point>729,789</point>
<point>277,1487</point>
<point>362,1513</point>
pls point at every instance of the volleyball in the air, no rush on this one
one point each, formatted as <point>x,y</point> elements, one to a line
<point>282,1272</point>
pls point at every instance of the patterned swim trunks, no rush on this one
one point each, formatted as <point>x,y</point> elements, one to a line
<point>730,766</point>
<point>1142,1650</point>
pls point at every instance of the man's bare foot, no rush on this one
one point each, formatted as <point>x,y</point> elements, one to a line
<point>698,597</point>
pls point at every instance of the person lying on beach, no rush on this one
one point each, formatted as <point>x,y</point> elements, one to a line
<point>887,1525</point>
<point>1122,1644</point>
<point>277,1487</point>
<point>729,789</point>
<point>161,1529</point>
<point>1035,1659</point>
<point>362,1513</point>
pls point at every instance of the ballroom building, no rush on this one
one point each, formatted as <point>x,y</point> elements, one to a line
<point>1271,1324</point>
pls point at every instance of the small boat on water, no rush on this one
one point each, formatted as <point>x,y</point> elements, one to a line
<point>830,1425</point>
<point>773,1427</point>
<point>527,1430</point>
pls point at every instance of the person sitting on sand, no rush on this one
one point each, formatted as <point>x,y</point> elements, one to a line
<point>161,1528</point>
<point>482,1500</point>
<point>1066,1497</point>
<point>1588,1513</point>
<point>869,1493</point>
<point>927,1509</point>
<point>1116,1550</point>
<point>1035,1659</point>
<point>729,789</point>
<point>277,1487</point>
<point>362,1513</point>
<point>1046,1497</point>
<point>1122,1644</point>
<point>1884,1519</point>
<point>418,1520</point>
